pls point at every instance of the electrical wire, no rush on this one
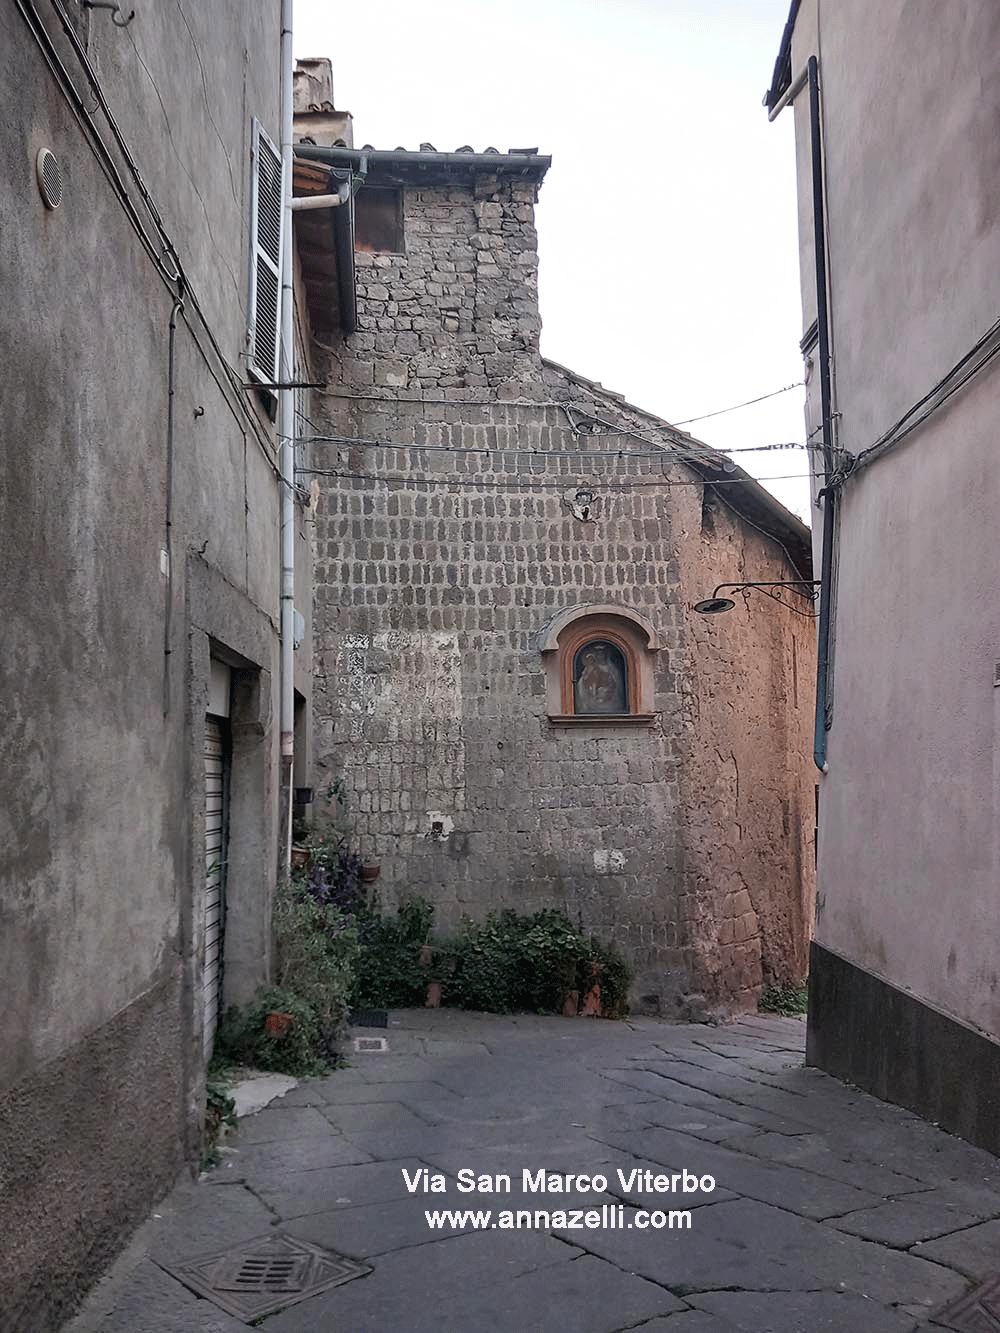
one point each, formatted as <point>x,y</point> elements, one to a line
<point>688,446</point>
<point>674,455</point>
<point>530,402</point>
<point>607,427</point>
<point>955,379</point>
<point>687,421</point>
<point>29,12</point>
<point>529,480</point>
<point>680,455</point>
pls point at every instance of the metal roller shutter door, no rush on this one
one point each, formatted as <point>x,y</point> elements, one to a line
<point>215,855</point>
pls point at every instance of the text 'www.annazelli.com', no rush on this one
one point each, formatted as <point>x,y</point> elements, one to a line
<point>610,1217</point>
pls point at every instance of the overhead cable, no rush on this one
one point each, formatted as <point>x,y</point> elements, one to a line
<point>687,421</point>
<point>531,480</point>
<point>976,359</point>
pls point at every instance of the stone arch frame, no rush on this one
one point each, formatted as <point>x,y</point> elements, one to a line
<point>629,631</point>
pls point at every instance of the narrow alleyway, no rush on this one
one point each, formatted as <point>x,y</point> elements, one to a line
<point>831,1211</point>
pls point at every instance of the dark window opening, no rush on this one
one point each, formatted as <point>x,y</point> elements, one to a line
<point>600,679</point>
<point>378,220</point>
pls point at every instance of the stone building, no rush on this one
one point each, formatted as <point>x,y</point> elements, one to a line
<point>510,679</point>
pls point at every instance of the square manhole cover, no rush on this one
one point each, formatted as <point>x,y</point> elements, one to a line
<point>373,1045</point>
<point>976,1312</point>
<point>261,1276</point>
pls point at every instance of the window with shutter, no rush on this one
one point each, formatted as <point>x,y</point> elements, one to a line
<point>265,257</point>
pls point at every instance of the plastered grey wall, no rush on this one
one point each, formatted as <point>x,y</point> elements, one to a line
<point>104,661</point>
<point>437,571</point>
<point>909,868</point>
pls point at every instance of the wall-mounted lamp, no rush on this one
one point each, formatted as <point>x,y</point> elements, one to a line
<point>715,605</point>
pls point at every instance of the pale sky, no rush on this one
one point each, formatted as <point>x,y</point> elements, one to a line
<point>667,222</point>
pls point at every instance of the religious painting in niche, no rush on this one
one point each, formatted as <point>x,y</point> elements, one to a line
<point>600,679</point>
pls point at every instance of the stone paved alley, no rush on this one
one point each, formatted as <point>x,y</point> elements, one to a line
<point>832,1211</point>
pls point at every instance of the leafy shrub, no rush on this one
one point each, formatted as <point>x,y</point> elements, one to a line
<point>512,962</point>
<point>506,964</point>
<point>389,972</point>
<point>333,875</point>
<point>614,976</point>
<point>316,950</point>
<point>244,1039</point>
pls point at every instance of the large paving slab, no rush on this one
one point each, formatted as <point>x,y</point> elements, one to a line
<point>830,1210</point>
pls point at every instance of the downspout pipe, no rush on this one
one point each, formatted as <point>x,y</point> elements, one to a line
<point>343,247</point>
<point>168,516</point>
<point>343,193</point>
<point>827,494</point>
<point>286,432</point>
<point>340,186</point>
<point>789,95</point>
<point>810,75</point>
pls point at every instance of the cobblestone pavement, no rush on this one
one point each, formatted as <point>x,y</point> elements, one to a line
<point>831,1211</point>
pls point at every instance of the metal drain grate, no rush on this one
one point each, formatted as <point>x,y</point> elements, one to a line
<point>370,1018</point>
<point>976,1312</point>
<point>262,1272</point>
<point>373,1045</point>
<point>261,1276</point>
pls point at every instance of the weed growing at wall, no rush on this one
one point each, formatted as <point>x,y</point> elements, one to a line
<point>220,1111</point>
<point>788,1000</point>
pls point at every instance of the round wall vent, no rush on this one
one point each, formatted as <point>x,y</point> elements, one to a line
<point>50,182</point>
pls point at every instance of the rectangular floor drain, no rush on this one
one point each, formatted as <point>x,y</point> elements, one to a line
<point>370,1018</point>
<point>371,1045</point>
<point>261,1276</point>
<point>976,1312</point>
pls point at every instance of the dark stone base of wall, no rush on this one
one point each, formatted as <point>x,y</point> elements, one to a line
<point>895,1046</point>
<point>87,1145</point>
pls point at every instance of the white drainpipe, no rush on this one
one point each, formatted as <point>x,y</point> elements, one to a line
<point>286,431</point>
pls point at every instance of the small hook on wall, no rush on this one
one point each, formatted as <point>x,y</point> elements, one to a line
<point>117,18</point>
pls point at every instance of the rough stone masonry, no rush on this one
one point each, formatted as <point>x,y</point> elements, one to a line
<point>467,493</point>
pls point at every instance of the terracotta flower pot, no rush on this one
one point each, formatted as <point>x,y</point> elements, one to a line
<point>370,872</point>
<point>301,856</point>
<point>433,1000</point>
<point>426,955</point>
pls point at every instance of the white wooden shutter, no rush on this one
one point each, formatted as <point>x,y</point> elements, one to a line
<point>266,221</point>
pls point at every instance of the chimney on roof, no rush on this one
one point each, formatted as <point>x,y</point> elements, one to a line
<point>316,119</point>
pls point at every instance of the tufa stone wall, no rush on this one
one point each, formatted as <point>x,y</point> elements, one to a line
<point>460,308</point>
<point>438,569</point>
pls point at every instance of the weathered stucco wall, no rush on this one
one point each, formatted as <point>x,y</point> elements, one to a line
<point>748,790</point>
<point>437,572</point>
<point>101,789</point>
<point>909,868</point>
